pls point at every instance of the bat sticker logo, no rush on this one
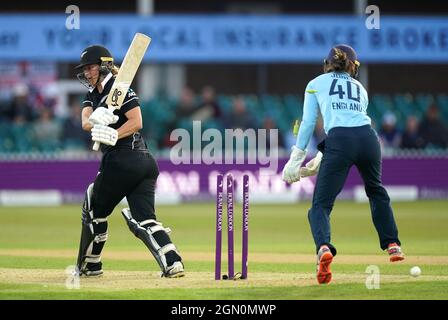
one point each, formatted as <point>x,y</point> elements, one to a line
<point>117,93</point>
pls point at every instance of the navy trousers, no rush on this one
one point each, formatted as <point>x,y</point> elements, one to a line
<point>343,148</point>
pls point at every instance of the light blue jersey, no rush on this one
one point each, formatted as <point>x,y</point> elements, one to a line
<point>342,101</point>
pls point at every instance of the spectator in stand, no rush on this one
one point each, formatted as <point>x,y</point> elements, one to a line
<point>269,124</point>
<point>49,99</point>
<point>186,106</point>
<point>433,131</point>
<point>411,138</point>
<point>74,137</point>
<point>47,132</point>
<point>20,110</point>
<point>389,134</point>
<point>4,110</point>
<point>209,107</point>
<point>239,118</point>
<point>183,117</point>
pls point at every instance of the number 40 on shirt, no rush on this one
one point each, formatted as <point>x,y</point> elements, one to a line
<point>337,89</point>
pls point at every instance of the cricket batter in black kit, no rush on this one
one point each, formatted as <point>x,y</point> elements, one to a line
<point>127,170</point>
<point>351,141</point>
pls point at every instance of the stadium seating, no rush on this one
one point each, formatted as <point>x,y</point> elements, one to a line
<point>159,117</point>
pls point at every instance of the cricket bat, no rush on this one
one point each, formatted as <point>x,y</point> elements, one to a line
<point>126,74</point>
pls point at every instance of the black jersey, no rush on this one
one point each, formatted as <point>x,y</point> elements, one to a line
<point>95,99</point>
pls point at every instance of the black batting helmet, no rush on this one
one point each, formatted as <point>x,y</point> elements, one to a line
<point>95,54</point>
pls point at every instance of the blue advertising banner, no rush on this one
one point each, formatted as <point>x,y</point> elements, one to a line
<point>229,38</point>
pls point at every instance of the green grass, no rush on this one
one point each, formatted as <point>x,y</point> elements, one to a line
<point>424,290</point>
<point>274,229</point>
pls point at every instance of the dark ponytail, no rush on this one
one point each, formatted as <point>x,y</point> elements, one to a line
<point>339,62</point>
<point>342,58</point>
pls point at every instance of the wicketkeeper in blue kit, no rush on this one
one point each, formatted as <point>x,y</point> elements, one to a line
<point>351,140</point>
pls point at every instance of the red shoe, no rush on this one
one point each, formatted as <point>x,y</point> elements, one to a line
<point>324,259</point>
<point>395,253</point>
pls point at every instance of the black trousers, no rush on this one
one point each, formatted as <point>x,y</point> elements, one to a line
<point>343,148</point>
<point>126,173</point>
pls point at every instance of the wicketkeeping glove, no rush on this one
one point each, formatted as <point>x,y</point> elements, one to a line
<point>291,171</point>
<point>312,167</point>
<point>103,116</point>
<point>104,134</point>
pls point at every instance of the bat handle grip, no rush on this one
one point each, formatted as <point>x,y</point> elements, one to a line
<point>96,146</point>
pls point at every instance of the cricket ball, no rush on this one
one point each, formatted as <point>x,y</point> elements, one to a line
<point>415,271</point>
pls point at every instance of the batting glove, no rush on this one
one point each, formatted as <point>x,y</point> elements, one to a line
<point>103,116</point>
<point>312,167</point>
<point>104,134</point>
<point>291,171</point>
